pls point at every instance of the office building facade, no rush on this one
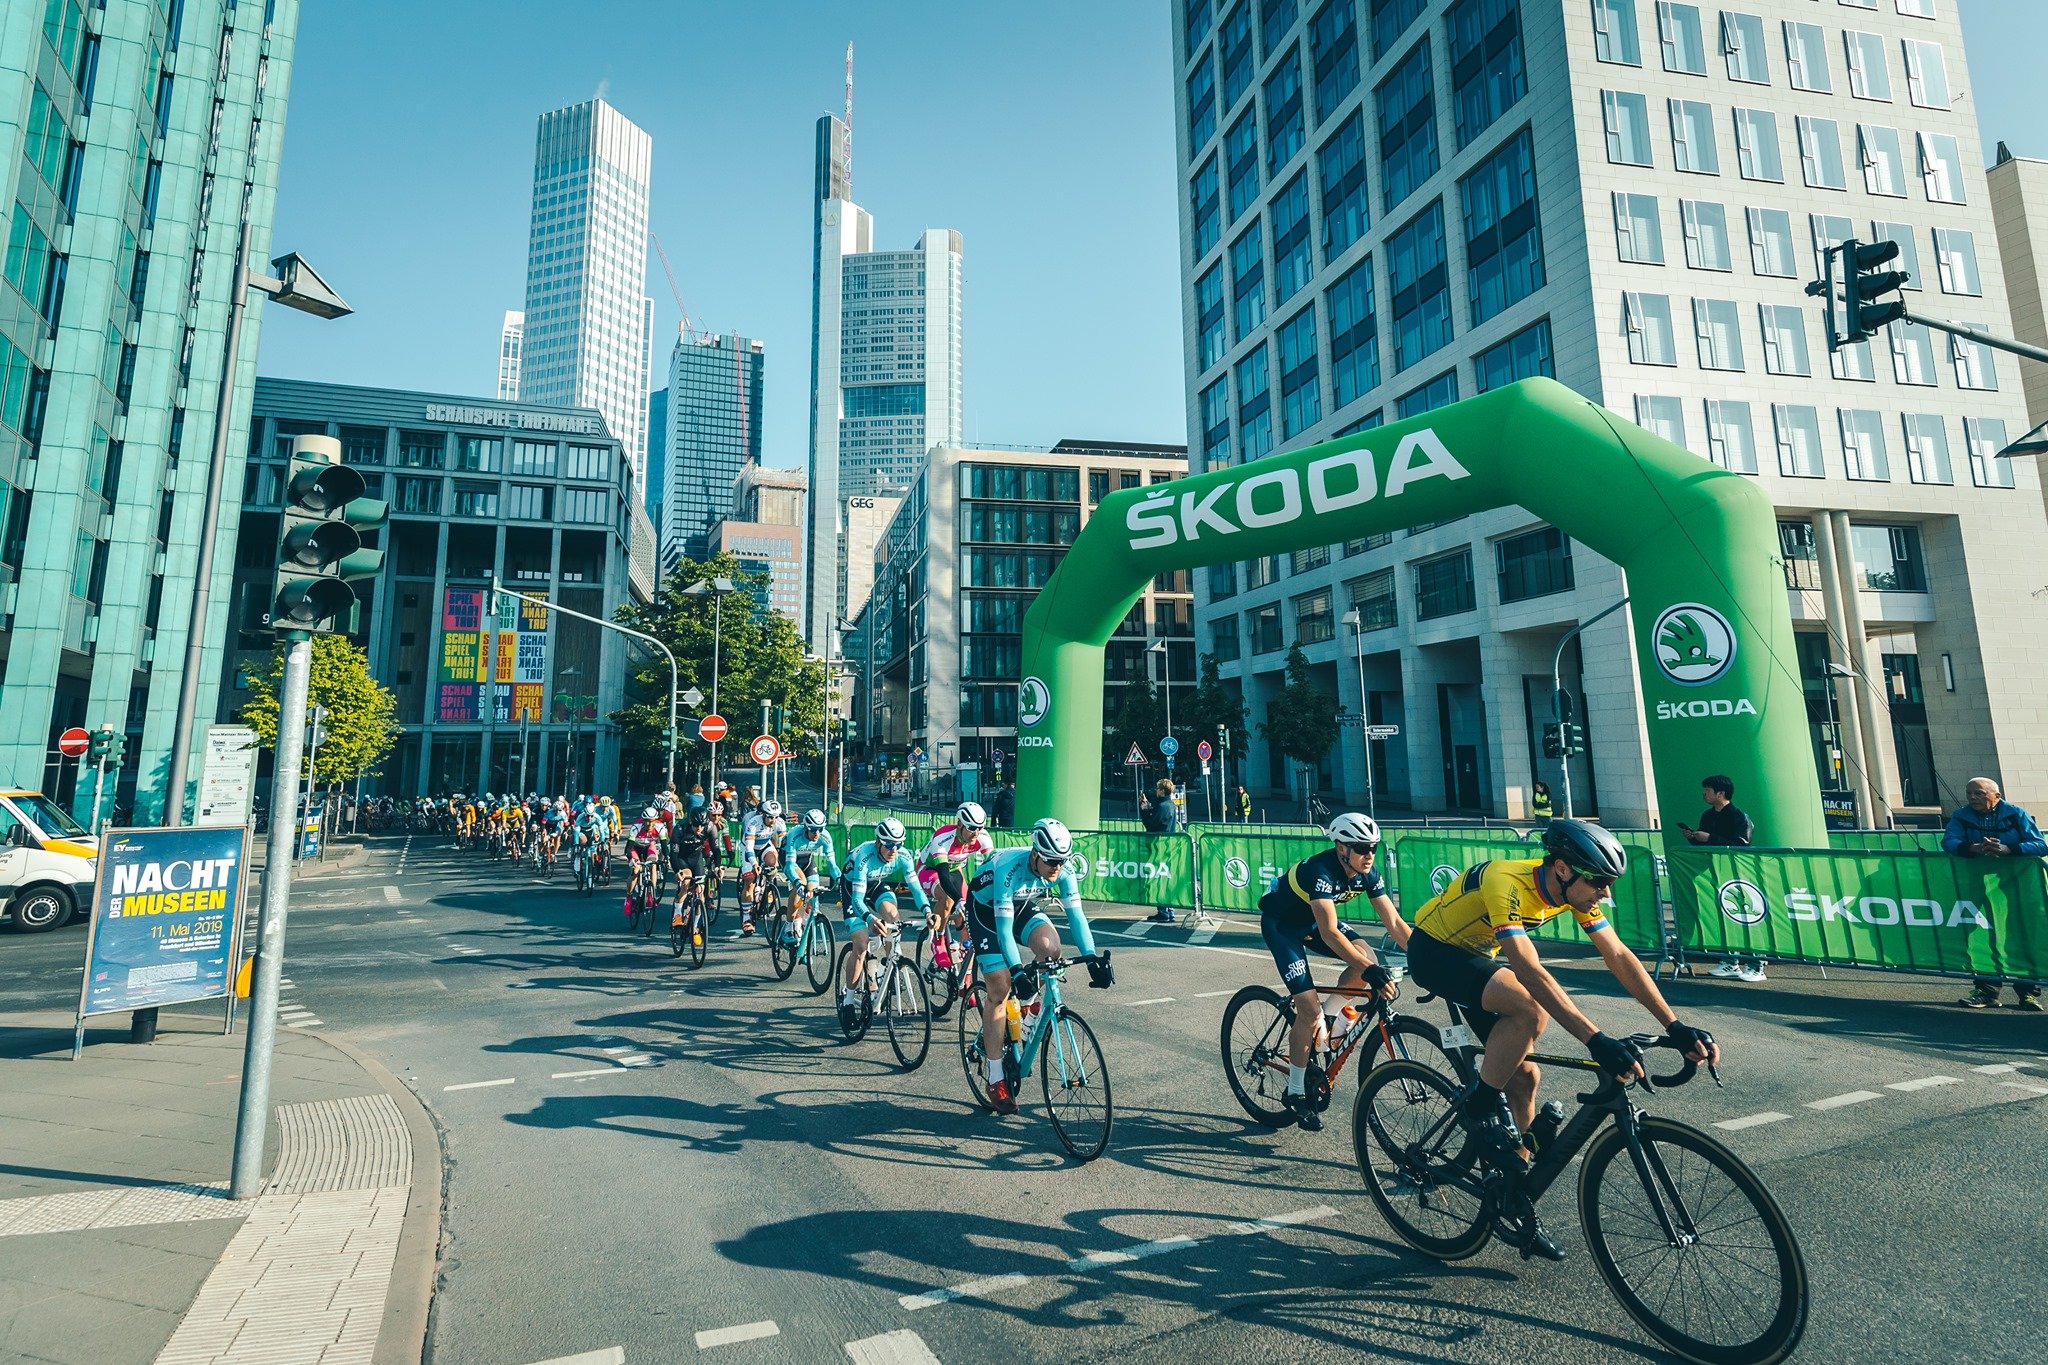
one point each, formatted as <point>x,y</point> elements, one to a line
<point>511,335</point>
<point>714,431</point>
<point>885,367</point>
<point>764,528</point>
<point>585,340</point>
<point>137,143</point>
<point>1388,205</point>
<point>2019,203</point>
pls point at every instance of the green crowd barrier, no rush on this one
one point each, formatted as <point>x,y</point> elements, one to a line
<point>1123,867</point>
<point>1887,909</point>
<point>1425,866</point>
<point>1238,862</point>
<point>1888,840</point>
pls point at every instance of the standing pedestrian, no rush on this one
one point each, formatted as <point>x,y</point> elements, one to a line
<point>1723,825</point>
<point>1162,816</point>
<point>1539,801</point>
<point>1244,803</point>
<point>1005,804</point>
<point>1989,826</point>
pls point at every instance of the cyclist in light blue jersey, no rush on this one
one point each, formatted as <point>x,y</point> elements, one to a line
<point>809,855</point>
<point>868,888</point>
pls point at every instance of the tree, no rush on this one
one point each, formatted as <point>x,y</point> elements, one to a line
<point>1301,722</point>
<point>1211,704</point>
<point>1140,720</point>
<point>361,720</point>
<point>760,657</point>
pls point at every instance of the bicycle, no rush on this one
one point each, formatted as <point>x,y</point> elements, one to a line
<point>641,895</point>
<point>801,933</point>
<point>889,986</point>
<point>686,928</point>
<point>1071,1068</point>
<point>580,860</point>
<point>714,878</point>
<point>1692,1213</point>
<point>945,980</point>
<point>1258,1024</point>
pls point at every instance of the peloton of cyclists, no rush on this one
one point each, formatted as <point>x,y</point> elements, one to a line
<point>761,836</point>
<point>811,857</point>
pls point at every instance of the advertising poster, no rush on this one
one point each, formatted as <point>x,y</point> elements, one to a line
<point>462,654</point>
<point>165,910</point>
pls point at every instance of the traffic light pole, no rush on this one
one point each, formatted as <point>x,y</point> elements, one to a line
<point>252,1119</point>
<point>1557,694</point>
<point>1996,343</point>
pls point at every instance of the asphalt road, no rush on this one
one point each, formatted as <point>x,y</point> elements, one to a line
<point>678,1163</point>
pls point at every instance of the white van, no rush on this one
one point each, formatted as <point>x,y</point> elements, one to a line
<point>47,862</point>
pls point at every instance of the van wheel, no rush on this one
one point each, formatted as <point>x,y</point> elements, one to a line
<point>41,909</point>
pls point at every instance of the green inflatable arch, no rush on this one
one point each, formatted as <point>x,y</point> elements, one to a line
<point>1720,677</point>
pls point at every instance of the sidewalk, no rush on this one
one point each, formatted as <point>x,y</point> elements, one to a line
<point>118,1243</point>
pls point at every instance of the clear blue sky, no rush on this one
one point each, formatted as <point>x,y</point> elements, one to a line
<point>1042,131</point>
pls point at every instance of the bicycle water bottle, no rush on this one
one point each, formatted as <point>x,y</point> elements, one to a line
<point>1015,1018</point>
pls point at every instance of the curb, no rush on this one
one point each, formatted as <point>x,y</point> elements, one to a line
<point>402,1336</point>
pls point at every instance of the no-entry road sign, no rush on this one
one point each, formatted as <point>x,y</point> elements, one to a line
<point>74,742</point>
<point>764,749</point>
<point>711,729</point>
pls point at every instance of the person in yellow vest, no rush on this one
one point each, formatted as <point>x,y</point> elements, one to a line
<point>1539,802</point>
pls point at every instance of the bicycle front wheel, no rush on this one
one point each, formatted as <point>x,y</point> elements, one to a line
<point>853,1022</point>
<point>942,984</point>
<point>1726,1282</point>
<point>907,1012</point>
<point>972,1058</point>
<point>817,952</point>
<point>784,943</point>
<point>1075,1078</point>
<point>1412,1155</point>
<point>1256,1024</point>
<point>1405,1037</point>
<point>700,941</point>
<point>678,932</point>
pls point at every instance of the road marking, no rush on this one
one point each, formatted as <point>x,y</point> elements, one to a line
<point>1227,990</point>
<point>1201,936</point>
<point>1999,1068</point>
<point>2027,1086</point>
<point>575,1075</point>
<point>637,1059</point>
<point>1838,1101</point>
<point>1752,1121</point>
<point>479,1085</point>
<point>304,1023</point>
<point>1156,1000</point>
<point>970,1290</point>
<point>892,1348</point>
<point>610,1355</point>
<point>1138,930</point>
<point>393,894</point>
<point>726,1336</point>
<point>1096,1260</point>
<point>1923,1083</point>
<point>617,1051</point>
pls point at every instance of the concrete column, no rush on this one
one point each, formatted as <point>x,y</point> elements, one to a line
<point>1503,660</point>
<point>1856,767</point>
<point>1612,704</point>
<point>1856,645</point>
<point>1421,735</point>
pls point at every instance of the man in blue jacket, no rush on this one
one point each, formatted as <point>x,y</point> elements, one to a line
<point>1992,827</point>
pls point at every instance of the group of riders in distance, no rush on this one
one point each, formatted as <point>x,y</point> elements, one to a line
<point>1447,1129</point>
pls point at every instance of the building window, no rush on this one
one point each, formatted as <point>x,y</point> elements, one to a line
<point>1863,445</point>
<point>1742,43</point>
<point>1439,392</point>
<point>1626,115</point>
<point>1853,361</point>
<point>1261,572</point>
<point>1487,73</point>
<point>422,449</point>
<point>476,499</point>
<point>1407,109</point>
<point>1917,9</point>
<point>1198,18</point>
<point>476,454</point>
<point>1020,483</point>
<point>1888,558</point>
<point>1443,586</point>
<point>1941,168</point>
<point>1275,18</point>
<point>1503,239</point>
<point>529,502</point>
<point>589,462</point>
<point>1266,634</point>
<point>1820,153</point>
<point>1717,326</point>
<point>1869,78</point>
<point>1012,568</point>
<point>1236,46</point>
<point>1614,32</point>
<point>1912,353</point>
<point>1731,440</point>
<point>1286,121</point>
<point>1535,564</point>
<point>1661,416</point>
<point>1986,437</point>
<point>1678,31</point>
<point>1314,557</point>
<point>1419,279</point>
<point>1638,233</point>
<point>535,459</point>
<point>1212,341</point>
<point>1955,254</point>
<point>1342,164</point>
<point>1216,423</point>
<point>1254,405</point>
<point>1241,152</point>
<point>1927,448</point>
<point>1525,355</point>
<point>1785,339</point>
<point>1390,19</point>
<point>1354,335</point>
<point>1248,281</point>
<point>419,495</point>
<point>1706,235</point>
<point>1926,74</point>
<point>1222,581</point>
<point>1802,562</point>
<point>1692,137</point>
<point>1884,164</point>
<point>1205,217</point>
<point>1018,524</point>
<point>1975,366</point>
<point>1201,105</point>
<point>1372,597</point>
<point>1756,146</point>
<point>1301,390</point>
<point>1223,638</point>
<point>1294,257</point>
<point>1770,243</point>
<point>1799,454</point>
<point>1806,56</point>
<point>1313,620</point>
<point>1646,318</point>
<point>1900,233</point>
<point>1333,43</point>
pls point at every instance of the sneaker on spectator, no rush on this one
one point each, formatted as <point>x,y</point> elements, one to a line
<point>1727,969</point>
<point>1750,971</point>
<point>2029,1001</point>
<point>1980,998</point>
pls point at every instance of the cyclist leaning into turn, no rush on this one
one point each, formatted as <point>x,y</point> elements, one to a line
<point>868,888</point>
<point>761,833</point>
<point>943,865</point>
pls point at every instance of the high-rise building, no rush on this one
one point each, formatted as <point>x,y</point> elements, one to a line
<point>2019,203</point>
<point>714,428</point>
<point>138,143</point>
<point>764,528</point>
<point>585,342</point>
<point>1389,206</point>
<point>510,335</point>
<point>885,365</point>
<point>657,456</point>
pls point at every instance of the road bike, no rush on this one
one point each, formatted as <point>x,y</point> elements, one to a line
<point>1071,1071</point>
<point>580,860</point>
<point>686,928</point>
<point>1685,1234</point>
<point>641,894</point>
<point>1258,1024</point>
<point>714,878</point>
<point>944,980</point>
<point>889,986</point>
<point>801,933</point>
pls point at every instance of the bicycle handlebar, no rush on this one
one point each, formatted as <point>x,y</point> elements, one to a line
<point>1688,1068</point>
<point>1059,964</point>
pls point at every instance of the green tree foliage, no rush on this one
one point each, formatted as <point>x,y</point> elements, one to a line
<point>1196,714</point>
<point>1140,720</point>
<point>361,712</point>
<point>760,656</point>
<point>1301,722</point>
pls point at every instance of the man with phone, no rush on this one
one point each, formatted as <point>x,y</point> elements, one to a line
<point>1989,826</point>
<point>1723,825</point>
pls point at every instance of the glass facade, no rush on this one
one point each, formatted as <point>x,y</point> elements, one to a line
<point>714,430</point>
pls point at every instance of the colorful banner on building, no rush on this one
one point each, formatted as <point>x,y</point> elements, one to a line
<point>165,910</point>
<point>517,673</point>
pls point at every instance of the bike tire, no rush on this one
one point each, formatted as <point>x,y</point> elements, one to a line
<point>1071,1050</point>
<point>711,906</point>
<point>942,984</point>
<point>1410,1038</point>
<point>678,933</point>
<point>818,954</point>
<point>1686,1162</point>
<point>1432,1199</point>
<point>700,940</point>
<point>971,1059</point>
<point>906,1012</point>
<point>853,1024</point>
<point>782,955</point>
<point>1256,1024</point>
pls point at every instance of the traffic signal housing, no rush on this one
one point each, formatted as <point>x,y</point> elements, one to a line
<point>1864,310</point>
<point>320,545</point>
<point>1553,741</point>
<point>99,744</point>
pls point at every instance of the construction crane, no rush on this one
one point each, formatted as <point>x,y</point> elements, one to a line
<point>683,328</point>
<point>685,331</point>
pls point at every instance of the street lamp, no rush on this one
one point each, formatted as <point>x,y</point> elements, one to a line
<point>717,588</point>
<point>296,285</point>
<point>1356,621</point>
<point>571,699</point>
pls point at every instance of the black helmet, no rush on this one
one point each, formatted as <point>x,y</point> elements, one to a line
<point>1585,848</point>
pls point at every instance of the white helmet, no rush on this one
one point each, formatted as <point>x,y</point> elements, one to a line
<point>650,813</point>
<point>889,831</point>
<point>1050,841</point>
<point>814,820</point>
<point>771,810</point>
<point>1353,828</point>
<point>971,815</point>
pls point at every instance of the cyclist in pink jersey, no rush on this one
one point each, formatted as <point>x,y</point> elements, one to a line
<point>941,868</point>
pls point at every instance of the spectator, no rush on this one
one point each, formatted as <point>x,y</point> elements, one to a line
<point>1005,804</point>
<point>1161,816</point>
<point>1989,826</point>
<point>1539,801</point>
<point>1723,825</point>
<point>696,799</point>
<point>1244,803</point>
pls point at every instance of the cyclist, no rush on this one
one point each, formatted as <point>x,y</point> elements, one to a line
<point>1298,916</point>
<point>867,889</point>
<point>942,866</point>
<point>810,854</point>
<point>1479,924</point>
<point>692,846</point>
<point>761,832</point>
<point>644,850</point>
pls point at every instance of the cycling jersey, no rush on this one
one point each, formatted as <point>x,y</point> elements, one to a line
<point>1493,901</point>
<point>758,833</point>
<point>955,844</point>
<point>801,846</point>
<point>1321,878</point>
<point>645,837</point>
<point>1007,884</point>
<point>867,870</point>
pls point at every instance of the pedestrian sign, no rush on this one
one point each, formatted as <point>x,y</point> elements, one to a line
<point>1136,758</point>
<point>1204,751</point>
<point>1169,746</point>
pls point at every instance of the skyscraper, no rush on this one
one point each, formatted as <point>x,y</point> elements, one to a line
<point>714,427</point>
<point>657,457</point>
<point>585,338</point>
<point>885,367</point>
<point>510,336</point>
<point>141,139</point>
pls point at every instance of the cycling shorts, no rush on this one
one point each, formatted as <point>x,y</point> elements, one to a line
<point>945,877</point>
<point>640,851</point>
<point>690,860</point>
<point>1457,974</point>
<point>988,945</point>
<point>1291,947</point>
<point>855,912</point>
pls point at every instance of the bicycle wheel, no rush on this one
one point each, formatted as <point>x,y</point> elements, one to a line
<point>854,1022</point>
<point>784,946</point>
<point>1256,1024</point>
<point>971,1055</point>
<point>678,931</point>
<point>711,899</point>
<point>1731,1285</point>
<point>1412,1155</point>
<point>1405,1036</point>
<point>1075,1079</point>
<point>907,1012</point>
<point>942,984</point>
<point>700,942</point>
<point>817,952</point>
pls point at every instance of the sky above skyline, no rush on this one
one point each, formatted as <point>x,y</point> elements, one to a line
<point>1044,133</point>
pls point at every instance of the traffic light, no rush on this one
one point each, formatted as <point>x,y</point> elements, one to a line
<point>1574,738</point>
<point>99,744</point>
<point>316,724</point>
<point>1553,741</point>
<point>851,734</point>
<point>117,748</point>
<point>1864,310</point>
<point>320,546</point>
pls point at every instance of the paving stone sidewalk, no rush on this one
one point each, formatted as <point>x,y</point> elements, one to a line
<point>118,1243</point>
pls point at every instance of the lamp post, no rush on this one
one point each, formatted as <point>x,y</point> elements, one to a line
<point>1356,621</point>
<point>296,285</point>
<point>569,701</point>
<point>717,588</point>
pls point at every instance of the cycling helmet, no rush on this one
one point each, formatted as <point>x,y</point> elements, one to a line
<point>771,810</point>
<point>971,815</point>
<point>650,813</point>
<point>814,820</point>
<point>890,831</point>
<point>1050,841</point>
<point>1353,828</point>
<point>1585,848</point>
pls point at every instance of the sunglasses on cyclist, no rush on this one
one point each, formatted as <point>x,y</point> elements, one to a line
<point>1364,850</point>
<point>1597,883</point>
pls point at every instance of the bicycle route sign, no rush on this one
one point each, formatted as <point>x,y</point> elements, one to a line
<point>1168,745</point>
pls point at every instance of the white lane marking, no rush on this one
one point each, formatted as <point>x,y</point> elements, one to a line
<point>1227,990</point>
<point>726,1336</point>
<point>971,1289</point>
<point>1156,1000</point>
<point>479,1085</point>
<point>610,1355</point>
<point>637,1059</point>
<point>304,1023</point>
<point>1838,1101</point>
<point>1752,1121</point>
<point>1923,1083</point>
<point>574,1075</point>
<point>617,1051</point>
<point>393,894</point>
<point>1999,1068</point>
<point>1138,930</point>
<point>892,1348</point>
<point>1098,1259</point>
<point>2027,1086</point>
<point>1202,935</point>
<point>1205,947</point>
